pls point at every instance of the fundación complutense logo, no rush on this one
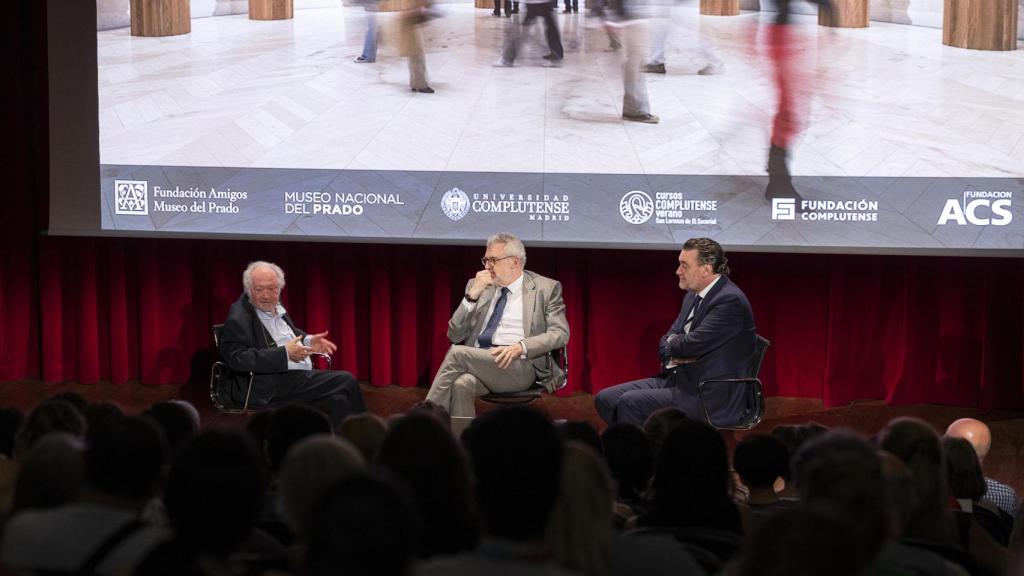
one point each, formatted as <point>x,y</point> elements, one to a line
<point>636,207</point>
<point>978,207</point>
<point>783,208</point>
<point>131,197</point>
<point>455,204</point>
<point>860,210</point>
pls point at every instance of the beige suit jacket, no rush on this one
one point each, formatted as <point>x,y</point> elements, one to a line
<point>544,323</point>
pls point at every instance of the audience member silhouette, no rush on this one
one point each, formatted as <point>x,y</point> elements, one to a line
<point>366,432</point>
<point>581,535</point>
<point>102,533</point>
<point>310,469</point>
<point>760,460</point>
<point>212,497</point>
<point>516,458</point>
<point>51,474</point>
<point>421,452</point>
<point>628,454</point>
<point>364,527</point>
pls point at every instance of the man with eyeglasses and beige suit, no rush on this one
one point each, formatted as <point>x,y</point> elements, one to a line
<point>502,331</point>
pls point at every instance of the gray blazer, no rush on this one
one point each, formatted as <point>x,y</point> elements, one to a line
<point>543,322</point>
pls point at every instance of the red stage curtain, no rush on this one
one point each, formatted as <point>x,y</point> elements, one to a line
<point>905,329</point>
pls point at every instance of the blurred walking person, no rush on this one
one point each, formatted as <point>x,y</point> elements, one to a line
<point>632,33</point>
<point>534,9</point>
<point>411,43</point>
<point>792,88</point>
<point>370,40</point>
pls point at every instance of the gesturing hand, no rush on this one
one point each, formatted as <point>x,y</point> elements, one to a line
<point>296,351</point>
<point>320,343</point>
<point>504,355</point>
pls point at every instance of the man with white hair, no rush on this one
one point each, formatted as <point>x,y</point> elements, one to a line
<point>977,433</point>
<point>502,331</point>
<point>261,338</point>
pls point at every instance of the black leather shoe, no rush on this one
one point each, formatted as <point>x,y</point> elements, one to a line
<point>427,90</point>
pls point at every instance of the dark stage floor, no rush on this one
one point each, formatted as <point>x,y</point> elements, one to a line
<point>1005,462</point>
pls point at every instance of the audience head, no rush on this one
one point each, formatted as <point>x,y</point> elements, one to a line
<point>50,416</point>
<point>420,451</point>
<point>51,473</point>
<point>843,470</point>
<point>125,460</point>
<point>580,534</point>
<point>287,426</point>
<point>916,443</point>
<point>362,527</point>
<point>309,470</point>
<point>966,480</point>
<point>179,421</point>
<point>691,480</point>
<point>807,541</point>
<point>628,454</point>
<point>365,431</point>
<point>98,416</point>
<point>433,409</point>
<point>213,492</point>
<point>517,458</point>
<point>73,398</point>
<point>974,431</point>
<point>759,460</point>
<point>659,424</point>
<point>10,422</point>
<point>580,431</point>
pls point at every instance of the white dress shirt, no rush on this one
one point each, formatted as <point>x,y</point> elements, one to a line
<point>282,334</point>
<point>510,329</point>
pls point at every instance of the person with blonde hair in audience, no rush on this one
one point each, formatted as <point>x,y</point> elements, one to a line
<point>311,467</point>
<point>365,431</point>
<point>580,533</point>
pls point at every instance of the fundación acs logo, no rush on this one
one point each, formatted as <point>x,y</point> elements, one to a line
<point>636,207</point>
<point>978,207</point>
<point>131,197</point>
<point>783,208</point>
<point>455,204</point>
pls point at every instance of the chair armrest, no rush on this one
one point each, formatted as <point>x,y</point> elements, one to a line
<point>323,356</point>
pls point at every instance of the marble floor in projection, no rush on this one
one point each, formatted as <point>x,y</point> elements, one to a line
<point>889,100</point>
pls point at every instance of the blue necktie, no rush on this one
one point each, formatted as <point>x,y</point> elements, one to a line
<point>692,315</point>
<point>484,340</point>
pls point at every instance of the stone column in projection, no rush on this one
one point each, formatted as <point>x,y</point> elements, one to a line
<point>720,7</point>
<point>980,24</point>
<point>845,14</point>
<point>160,17</point>
<point>271,9</point>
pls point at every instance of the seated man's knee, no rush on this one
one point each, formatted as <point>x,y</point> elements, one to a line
<point>466,383</point>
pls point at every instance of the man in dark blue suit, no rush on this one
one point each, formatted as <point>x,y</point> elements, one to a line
<point>713,337</point>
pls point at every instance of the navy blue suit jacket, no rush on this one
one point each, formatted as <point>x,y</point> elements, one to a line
<point>721,340</point>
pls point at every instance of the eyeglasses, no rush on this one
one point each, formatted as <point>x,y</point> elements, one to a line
<point>493,261</point>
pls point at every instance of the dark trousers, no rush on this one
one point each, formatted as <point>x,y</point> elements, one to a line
<point>510,7</point>
<point>634,401</point>
<point>544,11</point>
<point>335,393</point>
<point>574,6</point>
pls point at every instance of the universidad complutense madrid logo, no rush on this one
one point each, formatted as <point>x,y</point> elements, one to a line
<point>455,204</point>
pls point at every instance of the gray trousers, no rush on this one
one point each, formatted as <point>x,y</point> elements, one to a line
<point>468,372</point>
<point>633,36</point>
<point>418,71</point>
